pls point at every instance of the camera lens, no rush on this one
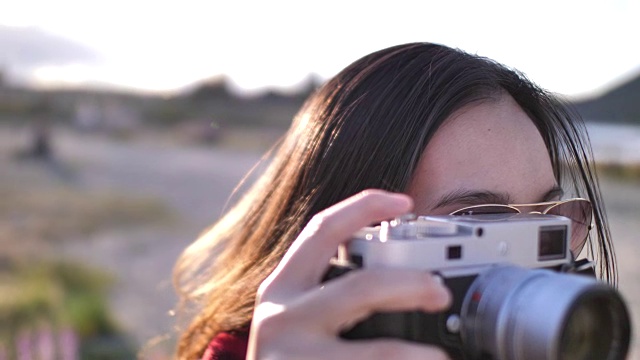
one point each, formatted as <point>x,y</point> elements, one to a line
<point>593,329</point>
<point>514,313</point>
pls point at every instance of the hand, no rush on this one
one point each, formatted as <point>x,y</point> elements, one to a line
<point>296,317</point>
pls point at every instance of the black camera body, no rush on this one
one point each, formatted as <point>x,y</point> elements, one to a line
<point>516,294</point>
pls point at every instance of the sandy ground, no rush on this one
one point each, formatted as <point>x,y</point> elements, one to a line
<point>197,181</point>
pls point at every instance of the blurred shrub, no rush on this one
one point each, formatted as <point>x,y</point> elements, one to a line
<point>59,296</point>
<point>627,172</point>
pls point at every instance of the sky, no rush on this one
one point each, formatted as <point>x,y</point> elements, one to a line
<point>576,48</point>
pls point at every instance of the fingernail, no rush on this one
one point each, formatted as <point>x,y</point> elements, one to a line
<point>443,295</point>
<point>437,278</point>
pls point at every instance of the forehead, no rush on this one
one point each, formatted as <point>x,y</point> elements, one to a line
<point>486,146</point>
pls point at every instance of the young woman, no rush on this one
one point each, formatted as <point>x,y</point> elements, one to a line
<point>419,128</point>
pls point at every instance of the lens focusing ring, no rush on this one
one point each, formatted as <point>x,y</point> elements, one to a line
<point>517,313</point>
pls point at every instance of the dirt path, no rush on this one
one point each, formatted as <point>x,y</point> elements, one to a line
<point>195,181</point>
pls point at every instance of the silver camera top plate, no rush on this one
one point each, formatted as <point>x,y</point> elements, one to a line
<point>458,242</point>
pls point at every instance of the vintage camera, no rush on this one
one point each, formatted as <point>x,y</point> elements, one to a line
<point>517,291</point>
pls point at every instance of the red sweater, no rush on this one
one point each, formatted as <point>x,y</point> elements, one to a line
<point>228,346</point>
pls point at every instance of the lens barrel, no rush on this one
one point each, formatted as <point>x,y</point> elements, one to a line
<point>514,313</point>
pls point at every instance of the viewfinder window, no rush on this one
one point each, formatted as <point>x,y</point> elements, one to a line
<point>552,243</point>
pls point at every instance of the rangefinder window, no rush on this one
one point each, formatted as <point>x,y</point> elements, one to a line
<point>552,243</point>
<point>454,252</point>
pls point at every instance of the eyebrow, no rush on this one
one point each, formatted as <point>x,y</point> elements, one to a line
<point>555,192</point>
<point>475,197</point>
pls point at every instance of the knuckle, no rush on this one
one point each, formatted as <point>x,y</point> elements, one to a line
<point>266,323</point>
<point>263,290</point>
<point>317,221</point>
<point>270,318</point>
<point>267,286</point>
<point>321,225</point>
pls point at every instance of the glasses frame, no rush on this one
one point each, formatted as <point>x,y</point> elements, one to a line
<point>549,205</point>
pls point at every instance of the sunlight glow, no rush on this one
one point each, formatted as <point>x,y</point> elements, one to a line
<point>65,75</point>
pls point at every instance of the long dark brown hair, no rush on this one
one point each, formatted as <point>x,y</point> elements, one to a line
<point>365,128</point>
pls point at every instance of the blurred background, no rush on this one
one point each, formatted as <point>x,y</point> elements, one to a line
<point>125,127</point>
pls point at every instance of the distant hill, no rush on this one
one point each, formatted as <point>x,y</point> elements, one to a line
<point>209,102</point>
<point>620,104</point>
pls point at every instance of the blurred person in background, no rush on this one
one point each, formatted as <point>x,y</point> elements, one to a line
<point>419,128</point>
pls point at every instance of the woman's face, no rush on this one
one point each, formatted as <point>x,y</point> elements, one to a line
<point>485,153</point>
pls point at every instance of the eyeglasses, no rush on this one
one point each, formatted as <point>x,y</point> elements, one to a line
<point>578,210</point>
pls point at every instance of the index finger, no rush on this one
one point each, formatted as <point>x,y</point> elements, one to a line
<point>308,257</point>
